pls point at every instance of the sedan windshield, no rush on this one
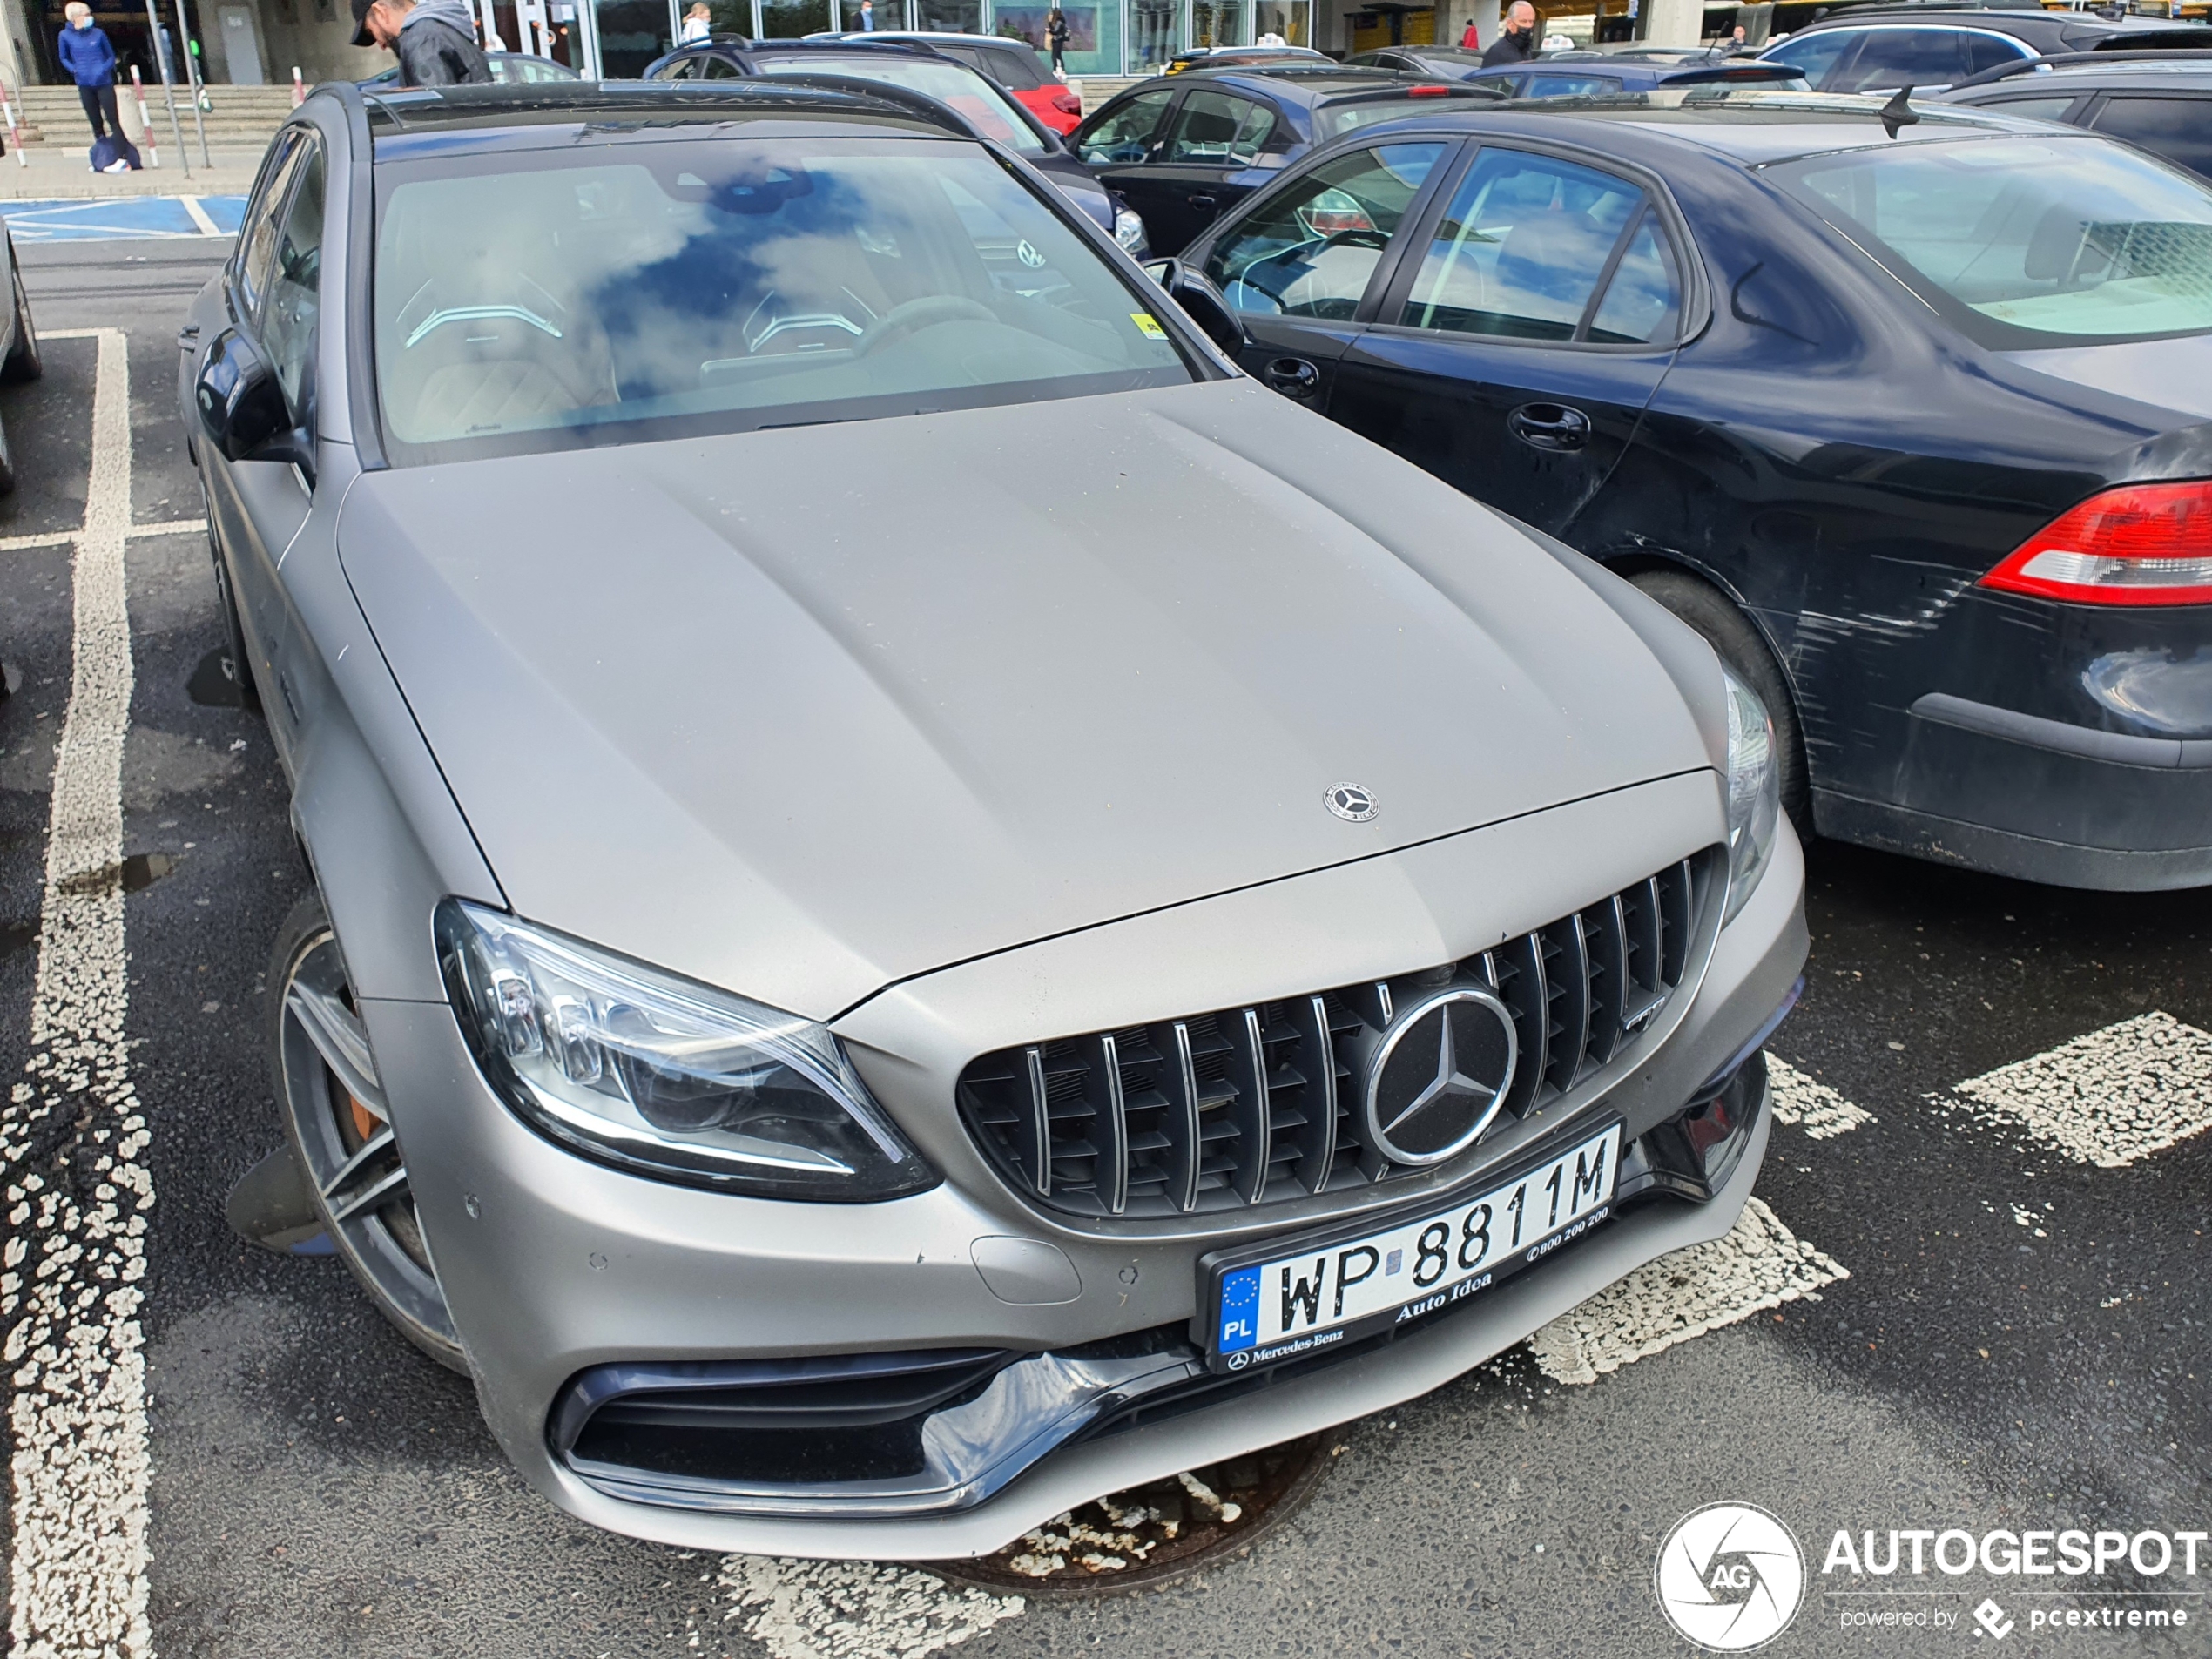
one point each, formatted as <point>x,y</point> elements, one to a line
<point>2031,240</point>
<point>662,287</point>
<point>985,108</point>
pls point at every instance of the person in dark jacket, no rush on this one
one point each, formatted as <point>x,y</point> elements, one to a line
<point>84,52</point>
<point>434,40</point>
<point>1516,43</point>
<point>1055,36</point>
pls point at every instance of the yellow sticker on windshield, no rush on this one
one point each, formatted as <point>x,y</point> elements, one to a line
<point>1146,326</point>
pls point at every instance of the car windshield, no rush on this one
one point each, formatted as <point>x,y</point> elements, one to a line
<point>985,108</point>
<point>2060,238</point>
<point>659,287</point>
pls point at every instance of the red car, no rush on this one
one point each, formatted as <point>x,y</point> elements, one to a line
<point>1015,65</point>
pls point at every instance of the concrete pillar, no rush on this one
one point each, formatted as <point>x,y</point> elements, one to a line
<point>17,61</point>
<point>1675,23</point>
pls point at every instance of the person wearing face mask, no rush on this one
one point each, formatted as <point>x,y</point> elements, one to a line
<point>83,51</point>
<point>434,40</point>
<point>1516,43</point>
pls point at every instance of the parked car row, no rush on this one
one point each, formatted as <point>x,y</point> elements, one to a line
<point>1078,872</point>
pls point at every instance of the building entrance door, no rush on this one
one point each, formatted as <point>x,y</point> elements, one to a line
<point>241,46</point>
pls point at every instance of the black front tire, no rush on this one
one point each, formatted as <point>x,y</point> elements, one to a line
<point>1740,645</point>
<point>23,362</point>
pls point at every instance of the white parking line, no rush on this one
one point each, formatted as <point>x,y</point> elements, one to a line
<point>207,226</point>
<point>72,1140</point>
<point>1814,1106</point>
<point>2107,1098</point>
<point>61,538</point>
<point>854,1609</point>
<point>1759,1264</point>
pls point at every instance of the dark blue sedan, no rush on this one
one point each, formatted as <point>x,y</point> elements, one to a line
<point>1905,409</point>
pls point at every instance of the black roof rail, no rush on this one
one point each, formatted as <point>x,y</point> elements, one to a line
<point>590,100</point>
<point>2054,60</point>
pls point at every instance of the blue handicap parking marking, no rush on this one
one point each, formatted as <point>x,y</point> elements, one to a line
<point>123,218</point>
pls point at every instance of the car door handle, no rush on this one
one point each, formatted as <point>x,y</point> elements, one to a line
<point>1292,376</point>
<point>1549,426</point>
<point>1204,204</point>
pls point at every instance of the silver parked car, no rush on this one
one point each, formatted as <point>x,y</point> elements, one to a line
<point>927,902</point>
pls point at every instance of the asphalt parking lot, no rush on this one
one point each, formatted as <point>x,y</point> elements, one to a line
<point>1971,1301</point>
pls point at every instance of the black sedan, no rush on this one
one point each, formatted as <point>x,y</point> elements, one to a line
<point>1180,152</point>
<point>2162,104</point>
<point>915,67</point>
<point>1584,74</point>
<point>1915,428</point>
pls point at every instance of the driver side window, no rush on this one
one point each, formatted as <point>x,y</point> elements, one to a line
<point>1310,251</point>
<point>294,304</point>
<point>257,243</point>
<point>1123,134</point>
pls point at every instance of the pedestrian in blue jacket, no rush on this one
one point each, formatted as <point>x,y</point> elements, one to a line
<point>85,53</point>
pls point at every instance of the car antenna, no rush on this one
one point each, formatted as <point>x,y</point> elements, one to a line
<point>1898,111</point>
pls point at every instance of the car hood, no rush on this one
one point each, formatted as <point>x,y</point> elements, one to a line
<point>1076,183</point>
<point>804,711</point>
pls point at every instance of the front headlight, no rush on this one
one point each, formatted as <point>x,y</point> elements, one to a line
<point>1753,792</point>
<point>1129,229</point>
<point>662,1075</point>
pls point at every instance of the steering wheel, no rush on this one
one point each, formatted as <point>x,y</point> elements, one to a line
<point>925,313</point>
<point>1373,238</point>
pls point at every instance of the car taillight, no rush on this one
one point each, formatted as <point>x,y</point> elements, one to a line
<point>2139,544</point>
<point>1067,104</point>
<point>1429,91</point>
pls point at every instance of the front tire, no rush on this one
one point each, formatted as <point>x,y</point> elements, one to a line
<point>1738,644</point>
<point>341,1130</point>
<point>24,362</point>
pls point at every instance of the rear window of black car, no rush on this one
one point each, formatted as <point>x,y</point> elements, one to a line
<point>2026,242</point>
<point>657,288</point>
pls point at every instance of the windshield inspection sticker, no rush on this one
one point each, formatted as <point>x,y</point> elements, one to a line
<point>1146,326</point>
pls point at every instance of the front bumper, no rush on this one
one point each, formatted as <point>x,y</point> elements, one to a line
<point>555,1266</point>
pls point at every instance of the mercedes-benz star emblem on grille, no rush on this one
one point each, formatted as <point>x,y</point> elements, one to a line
<point>1350,803</point>
<point>1439,1076</point>
<point>1028,256</point>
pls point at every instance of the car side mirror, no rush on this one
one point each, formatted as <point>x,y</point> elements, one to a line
<point>1202,302</point>
<point>241,405</point>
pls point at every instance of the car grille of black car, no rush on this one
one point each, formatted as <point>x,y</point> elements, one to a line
<point>1256,1105</point>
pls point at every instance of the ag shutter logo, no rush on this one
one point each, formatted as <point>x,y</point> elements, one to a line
<point>1730,1577</point>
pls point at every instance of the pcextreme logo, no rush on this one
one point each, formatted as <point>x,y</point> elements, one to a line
<point>1730,1577</point>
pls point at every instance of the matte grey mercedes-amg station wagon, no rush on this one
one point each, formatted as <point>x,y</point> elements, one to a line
<point>929,903</point>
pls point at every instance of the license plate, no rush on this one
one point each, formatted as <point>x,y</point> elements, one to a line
<point>1284,1300</point>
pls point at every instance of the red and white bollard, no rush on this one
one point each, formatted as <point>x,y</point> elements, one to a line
<point>145,126</point>
<point>15,133</point>
<point>299,88</point>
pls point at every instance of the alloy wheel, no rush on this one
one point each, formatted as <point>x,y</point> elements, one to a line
<point>341,1129</point>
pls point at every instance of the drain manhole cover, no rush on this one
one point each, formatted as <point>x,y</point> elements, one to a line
<point>1151,1533</point>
